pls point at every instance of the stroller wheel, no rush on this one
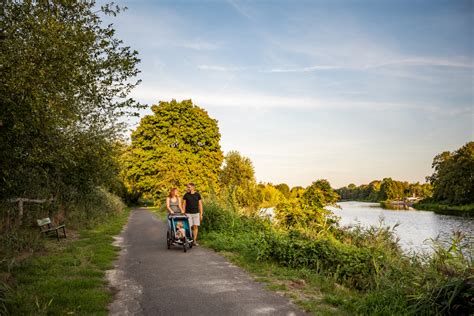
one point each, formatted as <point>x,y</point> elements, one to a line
<point>190,245</point>
<point>185,246</point>
<point>168,241</point>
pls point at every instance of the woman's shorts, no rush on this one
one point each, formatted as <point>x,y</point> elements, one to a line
<point>194,219</point>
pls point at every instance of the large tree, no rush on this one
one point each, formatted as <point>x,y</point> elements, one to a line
<point>237,170</point>
<point>453,177</point>
<point>320,194</point>
<point>284,189</point>
<point>65,81</point>
<point>177,144</point>
<point>309,209</point>
<point>237,179</point>
<point>391,189</point>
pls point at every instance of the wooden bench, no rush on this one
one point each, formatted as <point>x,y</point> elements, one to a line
<point>46,227</point>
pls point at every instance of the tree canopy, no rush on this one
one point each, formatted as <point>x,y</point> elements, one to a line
<point>307,209</point>
<point>284,189</point>
<point>65,82</point>
<point>177,144</point>
<point>319,194</point>
<point>453,177</point>
<point>237,170</point>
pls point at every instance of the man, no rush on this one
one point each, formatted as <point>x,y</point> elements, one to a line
<point>192,205</point>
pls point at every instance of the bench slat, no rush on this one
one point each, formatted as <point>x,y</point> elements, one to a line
<point>45,227</point>
<point>44,221</point>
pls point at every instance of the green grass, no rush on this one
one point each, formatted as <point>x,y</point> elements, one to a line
<point>311,291</point>
<point>69,278</point>
<point>160,212</point>
<point>358,271</point>
<point>463,210</point>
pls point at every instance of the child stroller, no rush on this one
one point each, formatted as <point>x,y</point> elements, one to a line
<point>171,236</point>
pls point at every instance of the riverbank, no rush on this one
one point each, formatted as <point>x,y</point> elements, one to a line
<point>439,208</point>
<point>345,271</point>
<point>458,210</point>
<point>415,229</point>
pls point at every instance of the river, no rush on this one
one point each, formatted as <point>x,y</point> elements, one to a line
<point>415,228</point>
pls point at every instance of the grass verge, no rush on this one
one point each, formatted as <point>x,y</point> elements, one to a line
<point>69,276</point>
<point>461,210</point>
<point>159,211</point>
<point>310,291</point>
<point>359,271</point>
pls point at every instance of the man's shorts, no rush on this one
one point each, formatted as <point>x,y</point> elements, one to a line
<point>194,219</point>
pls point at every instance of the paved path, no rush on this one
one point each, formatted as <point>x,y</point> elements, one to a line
<point>152,280</point>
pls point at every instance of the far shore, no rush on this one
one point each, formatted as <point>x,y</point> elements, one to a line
<point>439,208</point>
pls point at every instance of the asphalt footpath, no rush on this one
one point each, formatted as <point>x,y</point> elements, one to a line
<point>150,279</point>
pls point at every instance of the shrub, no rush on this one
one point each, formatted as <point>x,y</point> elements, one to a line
<point>367,259</point>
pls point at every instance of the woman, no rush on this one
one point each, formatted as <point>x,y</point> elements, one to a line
<point>173,202</point>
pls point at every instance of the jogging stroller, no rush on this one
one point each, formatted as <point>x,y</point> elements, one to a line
<point>173,237</point>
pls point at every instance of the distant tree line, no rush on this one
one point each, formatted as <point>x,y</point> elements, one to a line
<point>452,182</point>
<point>387,189</point>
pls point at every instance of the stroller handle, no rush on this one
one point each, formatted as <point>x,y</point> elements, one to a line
<point>177,215</point>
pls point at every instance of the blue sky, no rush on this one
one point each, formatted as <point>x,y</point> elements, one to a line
<point>348,91</point>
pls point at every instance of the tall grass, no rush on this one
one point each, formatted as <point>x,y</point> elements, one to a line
<point>81,211</point>
<point>368,260</point>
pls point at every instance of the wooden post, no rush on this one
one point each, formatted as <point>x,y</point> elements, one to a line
<point>21,202</point>
<point>20,211</point>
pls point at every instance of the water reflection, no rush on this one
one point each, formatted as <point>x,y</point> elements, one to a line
<point>415,228</point>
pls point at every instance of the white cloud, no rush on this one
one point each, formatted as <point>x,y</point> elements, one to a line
<point>221,68</point>
<point>239,8</point>
<point>197,44</point>
<point>416,61</point>
<point>265,101</point>
<point>303,69</point>
<point>427,61</point>
<point>381,64</point>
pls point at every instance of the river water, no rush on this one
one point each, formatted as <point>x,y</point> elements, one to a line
<point>415,228</point>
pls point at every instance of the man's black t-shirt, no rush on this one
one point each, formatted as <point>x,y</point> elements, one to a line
<point>192,202</point>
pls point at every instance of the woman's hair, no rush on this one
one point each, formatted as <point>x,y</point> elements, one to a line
<point>171,192</point>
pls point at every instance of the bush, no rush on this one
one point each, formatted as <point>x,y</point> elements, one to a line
<point>17,241</point>
<point>91,208</point>
<point>367,259</point>
<point>346,263</point>
<point>5,290</point>
<point>82,210</point>
<point>447,284</point>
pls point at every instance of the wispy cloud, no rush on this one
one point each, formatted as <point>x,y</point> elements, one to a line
<point>403,62</point>
<point>221,68</point>
<point>429,62</point>
<point>239,8</point>
<point>198,44</point>
<point>245,99</point>
<point>303,69</point>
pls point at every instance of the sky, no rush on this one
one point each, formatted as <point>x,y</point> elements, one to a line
<point>348,91</point>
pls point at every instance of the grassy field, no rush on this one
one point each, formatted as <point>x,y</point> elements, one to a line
<point>68,277</point>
